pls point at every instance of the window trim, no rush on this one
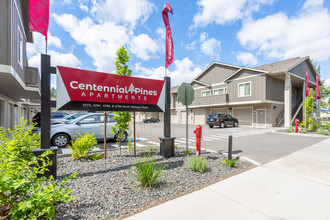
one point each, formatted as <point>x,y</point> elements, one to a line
<point>224,91</point>
<point>209,90</point>
<point>238,85</point>
<point>20,48</point>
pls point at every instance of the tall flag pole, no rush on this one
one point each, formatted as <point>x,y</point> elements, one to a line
<point>318,97</point>
<point>306,95</point>
<point>39,17</point>
<point>168,35</point>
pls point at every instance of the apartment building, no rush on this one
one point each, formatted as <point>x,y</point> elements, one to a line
<point>19,83</point>
<point>265,96</point>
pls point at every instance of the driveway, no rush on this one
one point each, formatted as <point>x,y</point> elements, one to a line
<point>260,144</point>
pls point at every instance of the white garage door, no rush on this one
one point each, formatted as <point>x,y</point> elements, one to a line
<point>219,110</point>
<point>244,115</point>
<point>174,117</point>
<point>199,117</point>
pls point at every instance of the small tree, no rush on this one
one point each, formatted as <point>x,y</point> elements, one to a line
<point>309,108</point>
<point>122,118</point>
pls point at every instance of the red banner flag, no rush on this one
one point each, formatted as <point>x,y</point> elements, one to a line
<point>318,94</point>
<point>39,16</point>
<point>169,42</point>
<point>306,82</point>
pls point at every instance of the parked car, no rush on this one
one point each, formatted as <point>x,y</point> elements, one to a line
<point>67,118</point>
<point>62,134</point>
<point>221,120</point>
<point>53,115</point>
<point>148,120</point>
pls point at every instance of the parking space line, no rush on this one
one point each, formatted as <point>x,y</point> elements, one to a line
<point>180,141</point>
<point>152,142</point>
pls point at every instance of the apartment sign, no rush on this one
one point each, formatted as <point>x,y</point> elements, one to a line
<point>79,89</point>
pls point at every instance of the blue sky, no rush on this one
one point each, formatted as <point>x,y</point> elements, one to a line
<point>87,33</point>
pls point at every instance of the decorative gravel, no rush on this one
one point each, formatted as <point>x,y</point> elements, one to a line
<point>105,189</point>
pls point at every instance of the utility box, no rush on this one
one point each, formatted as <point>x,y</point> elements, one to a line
<point>52,157</point>
<point>167,146</point>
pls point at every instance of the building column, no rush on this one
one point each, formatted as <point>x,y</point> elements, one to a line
<point>287,101</point>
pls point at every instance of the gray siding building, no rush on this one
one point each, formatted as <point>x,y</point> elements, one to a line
<point>265,96</point>
<point>19,83</point>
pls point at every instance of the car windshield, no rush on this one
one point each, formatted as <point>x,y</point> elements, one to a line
<point>69,116</point>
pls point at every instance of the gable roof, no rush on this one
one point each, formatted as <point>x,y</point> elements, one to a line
<point>282,65</point>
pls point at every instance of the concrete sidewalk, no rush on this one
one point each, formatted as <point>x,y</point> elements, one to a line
<point>294,187</point>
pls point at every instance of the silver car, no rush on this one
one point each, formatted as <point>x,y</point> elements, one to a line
<point>67,118</point>
<point>62,134</point>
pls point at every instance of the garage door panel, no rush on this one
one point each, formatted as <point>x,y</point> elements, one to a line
<point>244,115</point>
<point>199,117</point>
<point>174,117</point>
<point>220,110</point>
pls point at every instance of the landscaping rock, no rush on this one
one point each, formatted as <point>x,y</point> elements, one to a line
<point>105,189</point>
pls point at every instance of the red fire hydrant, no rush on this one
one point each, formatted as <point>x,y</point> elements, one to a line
<point>296,122</point>
<point>198,133</point>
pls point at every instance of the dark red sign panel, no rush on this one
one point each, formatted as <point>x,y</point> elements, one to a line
<point>79,89</point>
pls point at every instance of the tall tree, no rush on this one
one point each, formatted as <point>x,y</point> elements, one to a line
<point>323,89</point>
<point>122,118</point>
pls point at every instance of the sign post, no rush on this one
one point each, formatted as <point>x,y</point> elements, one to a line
<point>186,96</point>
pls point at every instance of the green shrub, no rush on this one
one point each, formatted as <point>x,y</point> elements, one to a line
<point>28,196</point>
<point>313,127</point>
<point>94,156</point>
<point>147,172</point>
<point>197,164</point>
<point>153,148</point>
<point>186,152</point>
<point>129,145</point>
<point>290,130</point>
<point>323,131</point>
<point>175,146</point>
<point>327,126</point>
<point>230,163</point>
<point>82,145</point>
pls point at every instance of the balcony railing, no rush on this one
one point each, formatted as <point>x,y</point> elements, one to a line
<point>32,77</point>
<point>213,99</point>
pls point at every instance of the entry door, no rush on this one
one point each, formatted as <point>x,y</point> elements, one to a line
<point>261,118</point>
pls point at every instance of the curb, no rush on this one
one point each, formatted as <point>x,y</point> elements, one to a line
<point>233,155</point>
<point>302,134</point>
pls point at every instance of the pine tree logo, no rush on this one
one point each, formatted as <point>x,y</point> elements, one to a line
<point>131,88</point>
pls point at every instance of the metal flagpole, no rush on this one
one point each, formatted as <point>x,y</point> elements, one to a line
<point>304,94</point>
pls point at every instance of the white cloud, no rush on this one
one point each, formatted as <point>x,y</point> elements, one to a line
<point>191,46</point>
<point>184,71</point>
<point>125,11</point>
<point>279,36</point>
<point>161,32</point>
<point>101,44</point>
<point>247,59</point>
<point>143,46</point>
<point>66,2</point>
<point>210,47</point>
<point>39,44</point>
<point>225,11</point>
<point>327,82</point>
<point>57,58</point>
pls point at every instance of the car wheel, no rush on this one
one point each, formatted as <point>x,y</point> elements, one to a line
<point>235,124</point>
<point>123,138</point>
<point>222,125</point>
<point>60,140</point>
<point>211,126</point>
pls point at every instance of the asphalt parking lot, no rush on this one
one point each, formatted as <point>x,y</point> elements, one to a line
<point>260,144</point>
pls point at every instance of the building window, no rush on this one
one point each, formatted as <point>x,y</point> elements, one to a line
<point>219,91</point>
<point>244,89</point>
<point>206,93</point>
<point>20,48</point>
